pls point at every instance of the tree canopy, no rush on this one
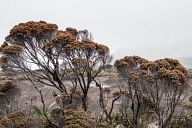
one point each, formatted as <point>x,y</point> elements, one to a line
<point>160,84</point>
<point>58,54</point>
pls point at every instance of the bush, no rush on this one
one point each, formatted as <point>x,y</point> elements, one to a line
<point>56,116</point>
<point>6,86</point>
<point>76,118</point>
<point>71,117</point>
<point>182,122</point>
<point>17,120</point>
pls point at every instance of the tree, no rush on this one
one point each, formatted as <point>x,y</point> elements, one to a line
<point>161,83</point>
<point>9,96</point>
<point>42,45</point>
<point>128,69</point>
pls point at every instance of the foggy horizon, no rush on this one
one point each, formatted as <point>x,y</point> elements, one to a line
<point>151,29</point>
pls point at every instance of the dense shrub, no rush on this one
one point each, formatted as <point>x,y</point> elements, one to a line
<point>71,117</point>
<point>184,121</point>
<point>76,118</point>
<point>17,120</point>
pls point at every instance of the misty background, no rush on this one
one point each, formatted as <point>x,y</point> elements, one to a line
<point>151,29</point>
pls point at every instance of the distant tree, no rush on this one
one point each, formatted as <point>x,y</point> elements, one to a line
<point>42,45</point>
<point>160,84</point>
<point>9,96</point>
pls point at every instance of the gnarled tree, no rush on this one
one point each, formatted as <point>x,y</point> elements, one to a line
<point>159,84</point>
<point>57,54</point>
<point>128,69</point>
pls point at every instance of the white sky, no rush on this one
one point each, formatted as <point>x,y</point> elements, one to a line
<point>149,28</point>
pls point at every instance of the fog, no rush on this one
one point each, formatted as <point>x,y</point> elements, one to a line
<point>148,28</point>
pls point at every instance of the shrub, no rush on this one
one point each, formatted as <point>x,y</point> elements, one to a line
<point>76,118</point>
<point>182,122</point>
<point>6,86</point>
<point>17,120</point>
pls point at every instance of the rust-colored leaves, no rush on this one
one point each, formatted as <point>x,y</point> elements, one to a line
<point>177,78</point>
<point>133,77</point>
<point>152,66</point>
<point>121,63</point>
<point>62,37</point>
<point>72,31</point>
<point>3,60</point>
<point>151,71</point>
<point>86,46</point>
<point>32,29</point>
<point>4,45</point>
<point>129,61</point>
<point>102,49</point>
<point>163,63</point>
<point>78,61</point>
<point>12,49</point>
<point>6,86</point>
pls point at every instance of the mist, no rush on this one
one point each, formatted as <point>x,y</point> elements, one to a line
<point>152,29</point>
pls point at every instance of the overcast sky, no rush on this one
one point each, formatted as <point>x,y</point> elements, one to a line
<point>149,28</point>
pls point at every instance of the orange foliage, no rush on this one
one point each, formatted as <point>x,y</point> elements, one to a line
<point>3,60</point>
<point>78,61</point>
<point>173,63</point>
<point>150,66</point>
<point>102,49</point>
<point>132,61</point>
<point>4,45</point>
<point>163,63</point>
<point>133,77</point>
<point>168,69</point>
<point>12,49</point>
<point>176,77</point>
<point>120,63</point>
<point>62,37</point>
<point>72,31</point>
<point>86,45</point>
<point>135,59</point>
<point>6,86</point>
<point>32,29</point>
